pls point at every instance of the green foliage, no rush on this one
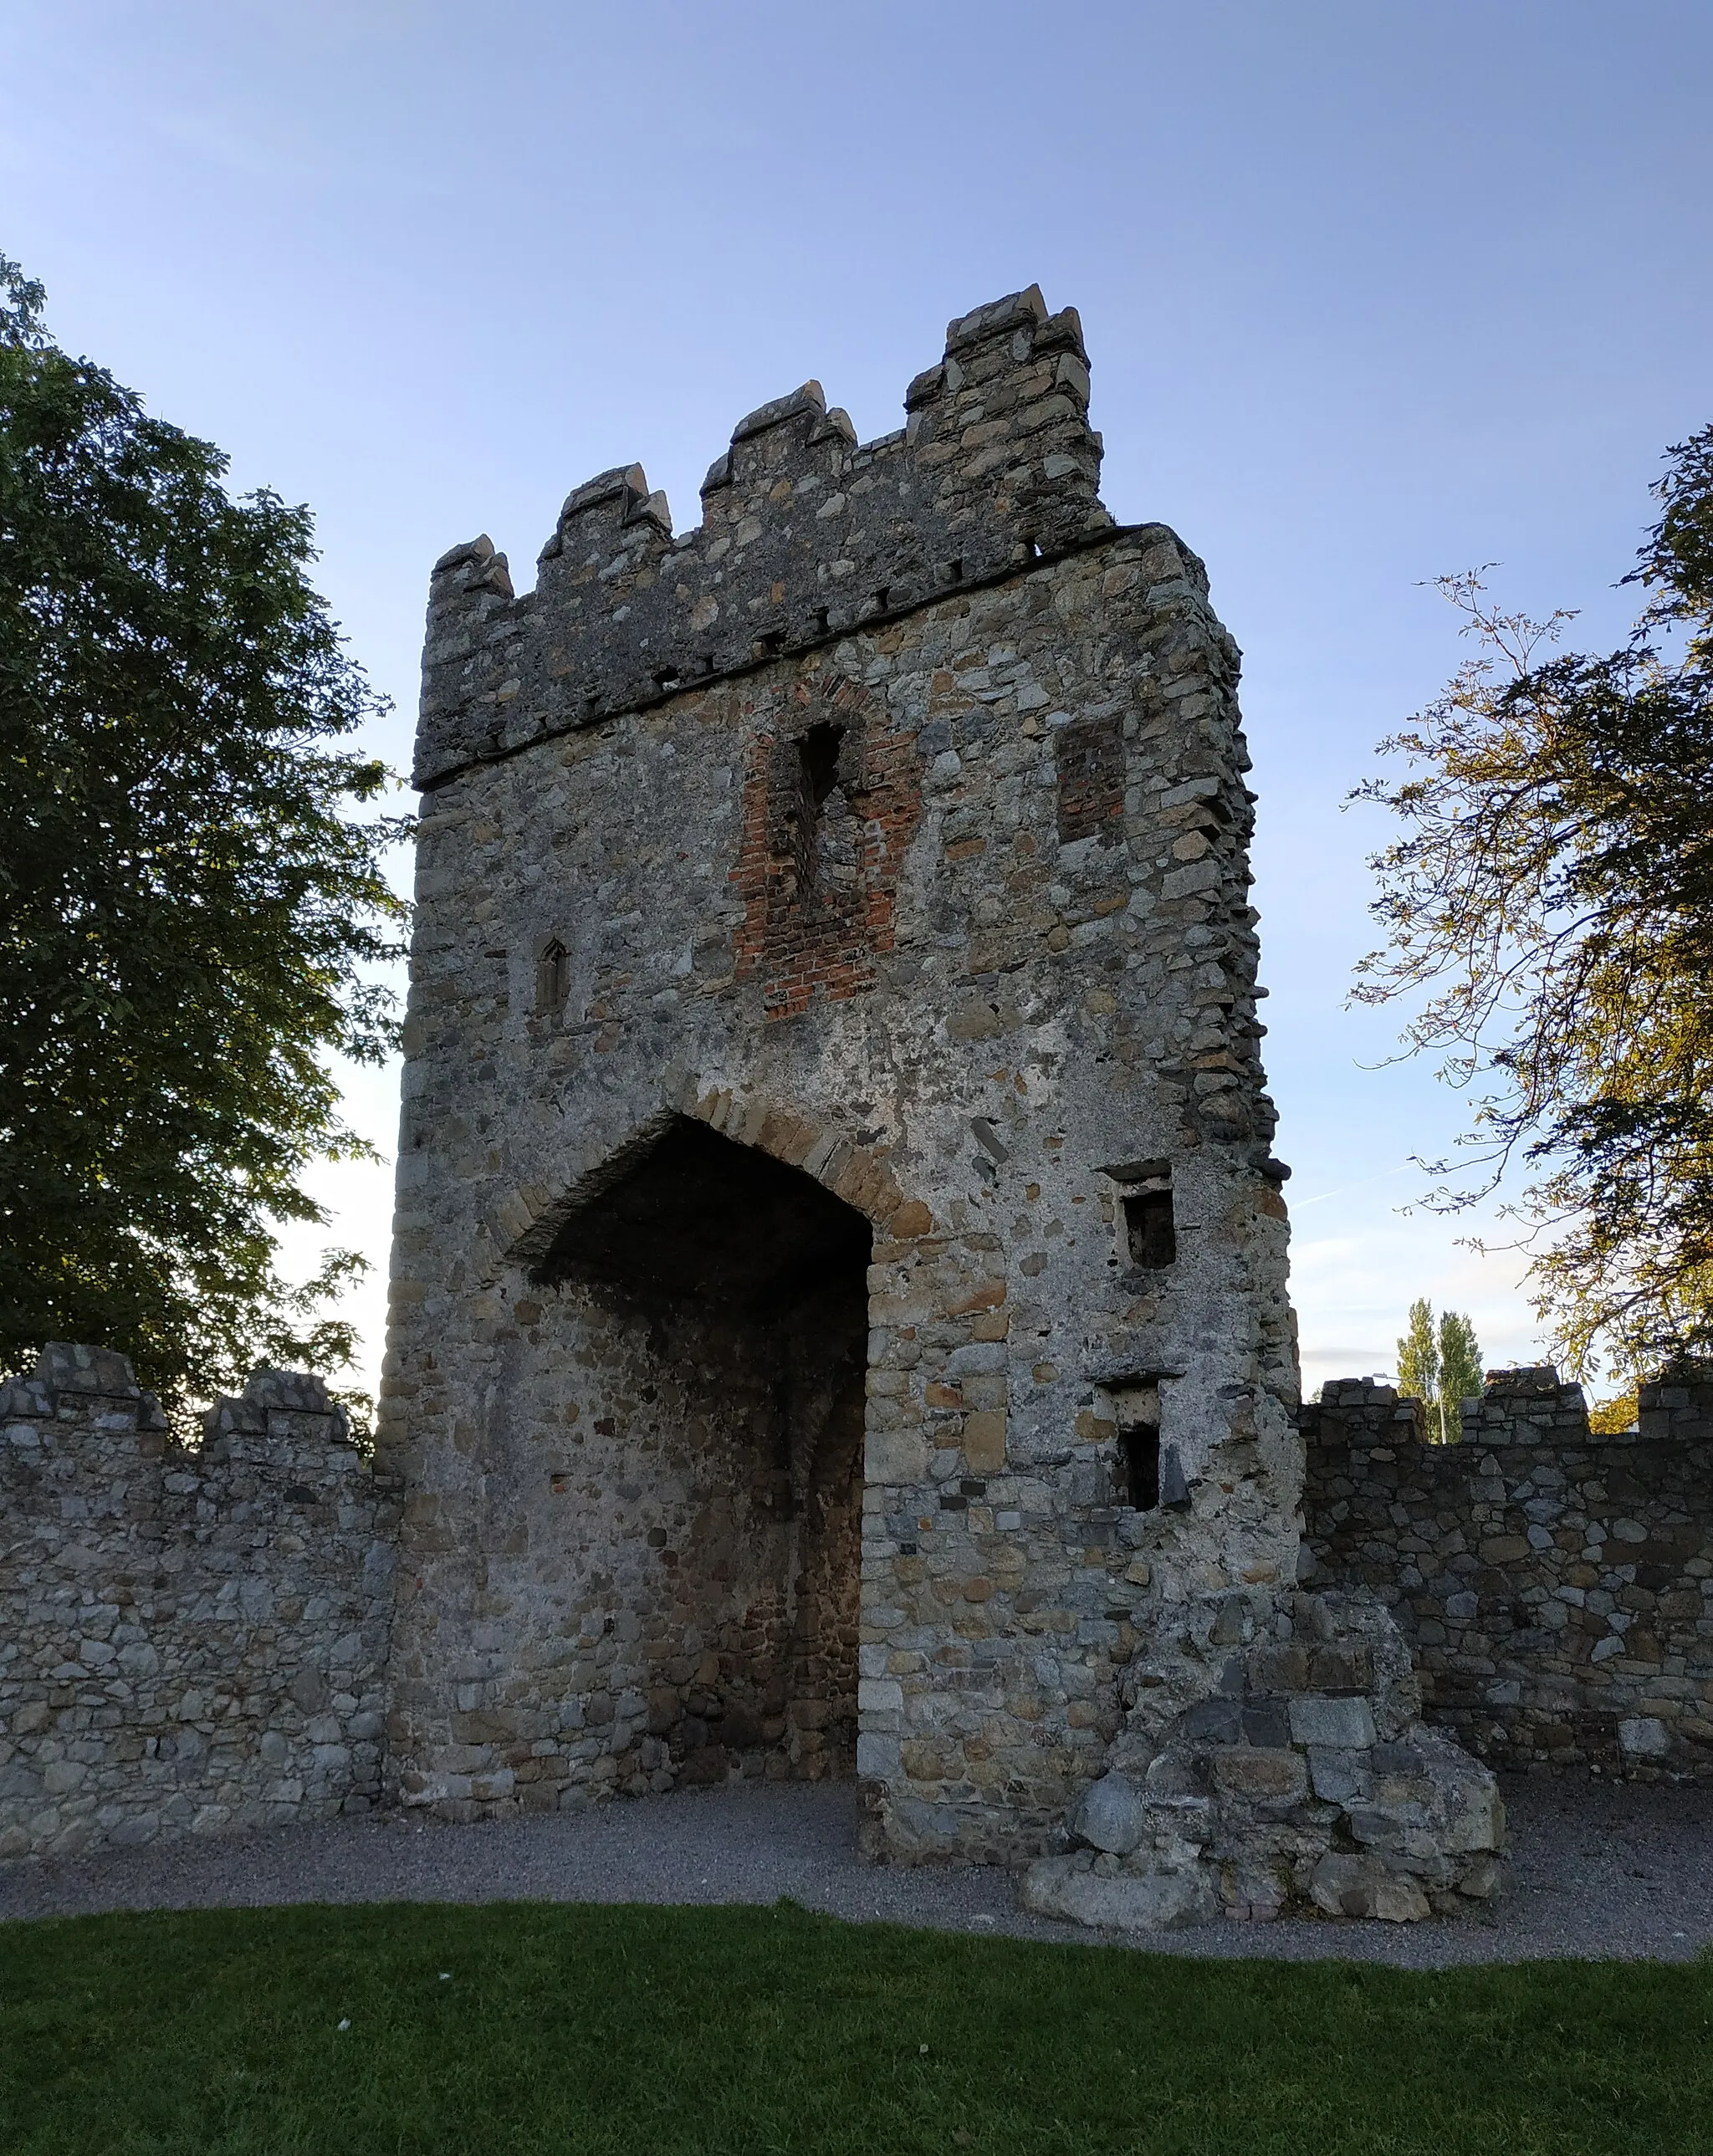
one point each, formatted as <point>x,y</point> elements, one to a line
<point>186,911</point>
<point>1418,1355</point>
<point>1460,1372</point>
<point>1441,1369</point>
<point>602,2031</point>
<point>1552,895</point>
<point>1609,1417</point>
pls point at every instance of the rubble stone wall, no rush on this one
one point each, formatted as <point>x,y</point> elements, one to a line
<point>890,826</point>
<point>1555,1588</point>
<point>705,1475</point>
<point>189,1640</point>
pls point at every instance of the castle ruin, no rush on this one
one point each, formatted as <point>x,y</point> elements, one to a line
<point>839,1319</point>
<point>839,1313</point>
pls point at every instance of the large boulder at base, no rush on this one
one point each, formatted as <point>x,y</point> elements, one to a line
<point>1070,1888</point>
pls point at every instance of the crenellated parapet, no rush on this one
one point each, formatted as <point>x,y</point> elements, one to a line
<point>806,534</point>
<point>191,1637</point>
<point>1555,1586</point>
<point>1678,1404</point>
<point>1530,1405</point>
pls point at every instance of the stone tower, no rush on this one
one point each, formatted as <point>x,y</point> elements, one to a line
<point>839,1309</point>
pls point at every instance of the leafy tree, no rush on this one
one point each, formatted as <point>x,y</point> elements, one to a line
<point>1552,894</point>
<point>1418,1355</point>
<point>186,911</point>
<point>1609,1417</point>
<point>1441,1369</point>
<point>1460,1372</point>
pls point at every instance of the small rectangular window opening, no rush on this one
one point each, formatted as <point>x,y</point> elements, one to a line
<point>1139,1467</point>
<point>817,776</point>
<point>552,978</point>
<point>1148,1230</point>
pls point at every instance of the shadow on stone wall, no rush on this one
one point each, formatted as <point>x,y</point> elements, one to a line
<point>190,1640</point>
<point>1555,1588</point>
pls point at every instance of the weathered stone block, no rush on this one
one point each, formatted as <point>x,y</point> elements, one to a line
<point>1265,1777</point>
<point>1340,1777</point>
<point>1111,1816</point>
<point>1344,1723</point>
<point>1359,1887</point>
<point>985,1442</point>
<point>1068,1888</point>
<point>1644,1737</point>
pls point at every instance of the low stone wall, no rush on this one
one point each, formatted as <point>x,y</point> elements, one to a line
<point>1556,1588</point>
<point>194,1639</point>
<point>189,1640</point>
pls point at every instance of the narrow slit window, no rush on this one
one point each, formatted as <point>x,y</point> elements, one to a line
<point>819,749</point>
<point>1139,1467</point>
<point>552,978</point>
<point>817,778</point>
<point>1149,1231</point>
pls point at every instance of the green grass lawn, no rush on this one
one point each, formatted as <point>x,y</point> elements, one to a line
<point>527,2027</point>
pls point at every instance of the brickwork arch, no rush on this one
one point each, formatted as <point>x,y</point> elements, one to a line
<point>521,1229</point>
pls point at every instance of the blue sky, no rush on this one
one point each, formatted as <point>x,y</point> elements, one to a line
<point>1371,292</point>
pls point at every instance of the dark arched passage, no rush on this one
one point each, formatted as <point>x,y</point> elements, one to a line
<point>738,1286</point>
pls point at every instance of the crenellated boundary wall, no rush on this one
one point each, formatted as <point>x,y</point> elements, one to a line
<point>1555,1587</point>
<point>190,1640</point>
<point>193,1640</point>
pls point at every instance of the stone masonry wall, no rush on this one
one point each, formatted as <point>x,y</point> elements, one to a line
<point>805,535</point>
<point>1556,1588</point>
<point>891,826</point>
<point>189,1640</point>
<point>690,1641</point>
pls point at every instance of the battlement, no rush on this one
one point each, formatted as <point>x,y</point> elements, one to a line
<point>195,1636</point>
<point>806,534</point>
<point>1525,1406</point>
<point>82,1376</point>
<point>1555,1585</point>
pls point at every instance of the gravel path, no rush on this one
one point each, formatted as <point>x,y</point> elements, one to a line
<point>1597,1869</point>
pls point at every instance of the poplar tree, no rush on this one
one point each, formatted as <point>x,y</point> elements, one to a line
<point>1441,1369</point>
<point>1418,1355</point>
<point>189,913</point>
<point>1460,1372</point>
